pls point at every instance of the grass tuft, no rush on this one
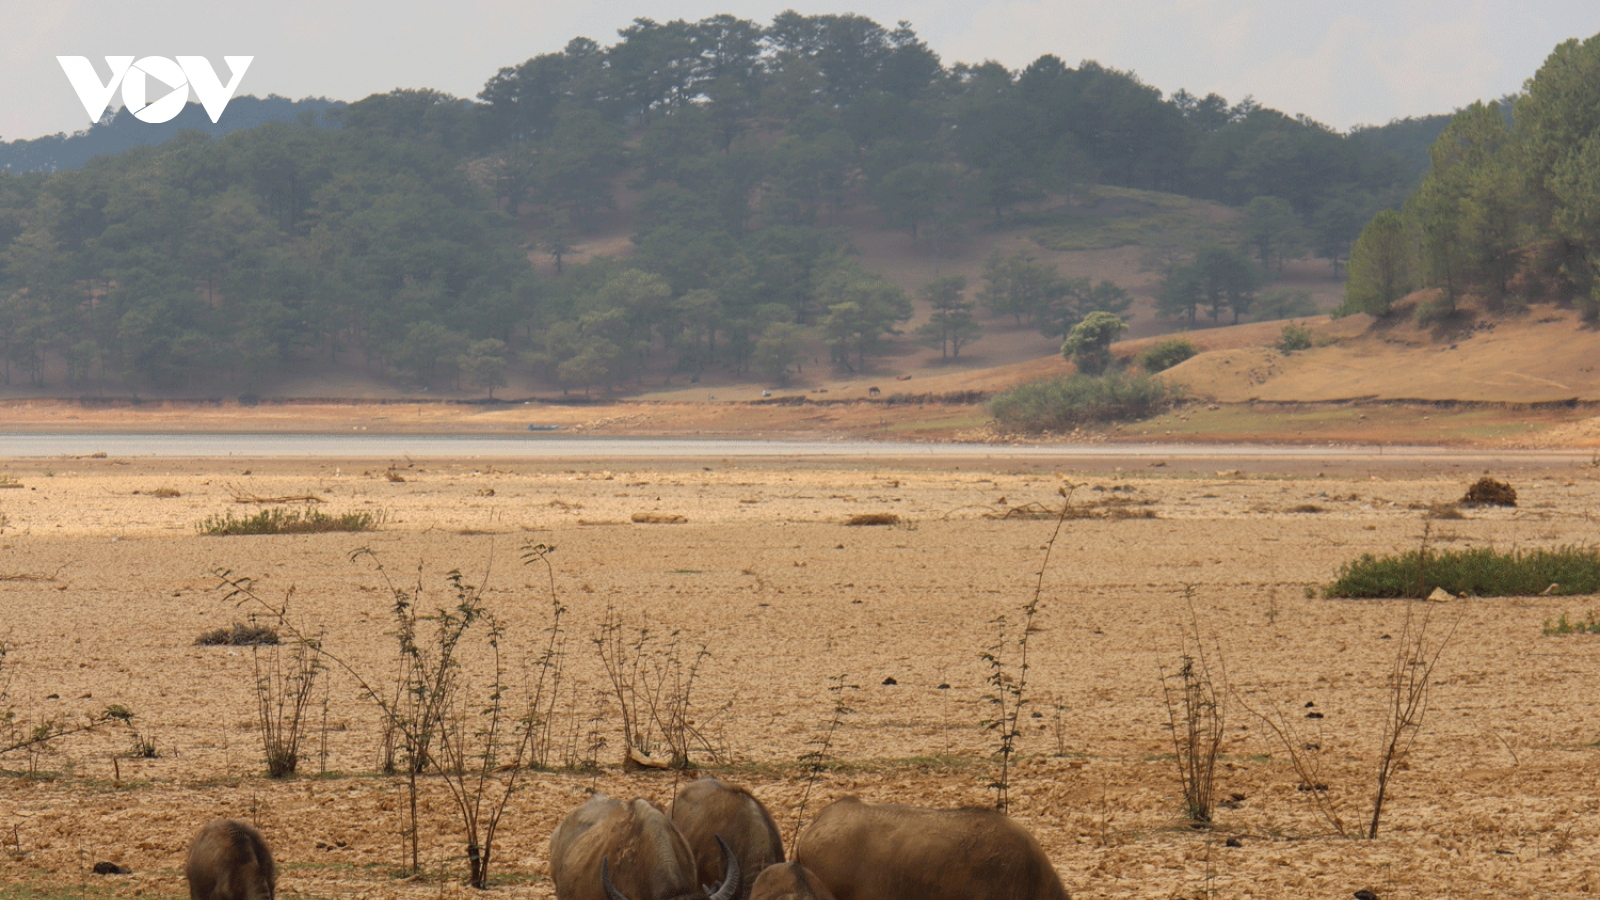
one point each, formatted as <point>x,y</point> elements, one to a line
<point>277,520</point>
<point>242,634</point>
<point>1479,572</point>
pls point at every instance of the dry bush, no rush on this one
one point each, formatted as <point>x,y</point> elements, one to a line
<point>1307,758</point>
<point>1196,711</point>
<point>1008,679</point>
<point>652,681</point>
<point>285,675</point>
<point>466,722</point>
<point>1410,685</point>
<point>1487,491</point>
<point>1409,688</point>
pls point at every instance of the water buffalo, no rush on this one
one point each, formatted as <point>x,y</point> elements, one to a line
<point>788,881</point>
<point>229,860</point>
<point>869,851</point>
<point>707,809</point>
<point>637,844</point>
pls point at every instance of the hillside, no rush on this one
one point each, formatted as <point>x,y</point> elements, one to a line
<point>1544,356</point>
<point>702,203</point>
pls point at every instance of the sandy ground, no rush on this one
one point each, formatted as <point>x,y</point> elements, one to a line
<point>104,586</point>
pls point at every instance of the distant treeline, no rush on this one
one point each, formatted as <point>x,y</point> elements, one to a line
<point>1510,208</point>
<point>403,236</point>
<point>120,131</point>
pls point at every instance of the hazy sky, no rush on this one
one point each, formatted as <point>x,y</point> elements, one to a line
<point>1343,63</point>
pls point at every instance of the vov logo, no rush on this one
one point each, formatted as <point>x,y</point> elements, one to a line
<point>133,77</point>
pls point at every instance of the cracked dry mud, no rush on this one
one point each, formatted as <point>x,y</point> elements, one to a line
<point>104,586</point>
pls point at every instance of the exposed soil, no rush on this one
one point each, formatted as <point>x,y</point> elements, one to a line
<point>105,584</point>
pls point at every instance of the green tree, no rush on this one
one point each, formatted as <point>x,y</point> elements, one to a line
<point>779,347</point>
<point>576,166</point>
<point>484,364</point>
<point>1558,119</point>
<point>863,309</point>
<point>1089,344</point>
<point>1180,293</point>
<point>916,193</point>
<point>430,353</point>
<point>1017,285</point>
<point>1270,226</point>
<point>951,325</point>
<point>1380,265</point>
<point>1228,280</point>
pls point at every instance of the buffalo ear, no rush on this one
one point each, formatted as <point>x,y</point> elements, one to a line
<point>730,875</point>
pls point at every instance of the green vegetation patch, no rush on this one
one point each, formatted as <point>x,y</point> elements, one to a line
<point>1062,404</point>
<point>278,520</point>
<point>1480,572</point>
<point>1563,625</point>
<point>1166,354</point>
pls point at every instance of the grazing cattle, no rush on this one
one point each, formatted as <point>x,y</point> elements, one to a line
<point>707,809</point>
<point>229,860</point>
<point>610,850</point>
<point>788,881</point>
<point>873,392</point>
<point>869,851</point>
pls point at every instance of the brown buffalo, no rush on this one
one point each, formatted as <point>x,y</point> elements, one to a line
<point>868,851</point>
<point>610,850</point>
<point>708,809</point>
<point>229,860</point>
<point>788,881</point>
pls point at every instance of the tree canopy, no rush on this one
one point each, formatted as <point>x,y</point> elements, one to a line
<point>1509,209</point>
<point>403,230</point>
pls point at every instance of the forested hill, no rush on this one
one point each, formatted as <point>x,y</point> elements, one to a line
<point>121,131</point>
<point>1509,211</point>
<point>406,239</point>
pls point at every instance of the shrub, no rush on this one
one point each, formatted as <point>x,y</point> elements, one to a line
<point>1062,404</point>
<point>1294,337</point>
<point>242,634</point>
<point>1165,355</point>
<point>1481,572</point>
<point>1089,343</point>
<point>277,520</point>
<point>1488,492</point>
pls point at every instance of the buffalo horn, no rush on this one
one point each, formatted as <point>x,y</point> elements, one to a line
<point>730,875</point>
